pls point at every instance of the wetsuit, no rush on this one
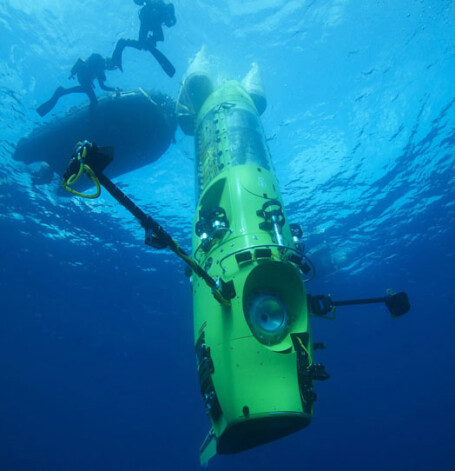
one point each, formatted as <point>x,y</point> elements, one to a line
<point>86,72</point>
<point>152,16</point>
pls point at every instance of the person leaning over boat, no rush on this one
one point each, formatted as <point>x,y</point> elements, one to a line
<point>153,15</point>
<point>86,72</point>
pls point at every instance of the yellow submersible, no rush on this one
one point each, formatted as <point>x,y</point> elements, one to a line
<point>254,357</point>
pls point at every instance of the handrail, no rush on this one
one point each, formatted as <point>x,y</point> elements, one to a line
<point>280,247</point>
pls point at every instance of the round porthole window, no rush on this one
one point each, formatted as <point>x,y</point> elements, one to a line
<point>268,318</point>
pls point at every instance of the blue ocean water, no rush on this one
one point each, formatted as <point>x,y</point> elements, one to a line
<point>97,366</point>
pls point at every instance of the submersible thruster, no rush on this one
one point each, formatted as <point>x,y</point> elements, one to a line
<point>254,357</point>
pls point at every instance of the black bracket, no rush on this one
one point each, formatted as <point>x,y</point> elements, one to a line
<point>227,289</point>
<point>272,212</point>
<point>321,305</point>
<point>153,241</point>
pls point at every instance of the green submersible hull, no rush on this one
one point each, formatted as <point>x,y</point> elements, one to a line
<point>252,333</point>
<point>254,356</point>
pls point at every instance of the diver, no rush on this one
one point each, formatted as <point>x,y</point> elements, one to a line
<point>86,71</point>
<point>153,14</point>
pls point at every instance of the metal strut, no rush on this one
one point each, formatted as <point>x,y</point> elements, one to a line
<point>321,305</point>
<point>160,235</point>
<point>95,159</point>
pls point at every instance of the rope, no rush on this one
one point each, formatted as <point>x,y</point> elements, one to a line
<point>81,154</point>
<point>310,359</point>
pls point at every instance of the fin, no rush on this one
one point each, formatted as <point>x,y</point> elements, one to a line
<point>46,107</point>
<point>116,59</point>
<point>49,104</point>
<point>208,448</point>
<point>162,60</point>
